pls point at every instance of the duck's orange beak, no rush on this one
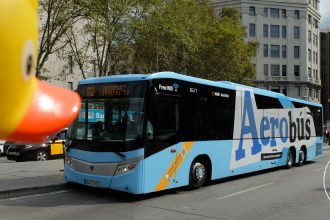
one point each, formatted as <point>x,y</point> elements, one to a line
<point>52,108</point>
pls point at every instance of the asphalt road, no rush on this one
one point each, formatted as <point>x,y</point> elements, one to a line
<point>297,193</point>
<point>3,159</point>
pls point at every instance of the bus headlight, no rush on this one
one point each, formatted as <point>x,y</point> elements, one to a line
<point>121,169</point>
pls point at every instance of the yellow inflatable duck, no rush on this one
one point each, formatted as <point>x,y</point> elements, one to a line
<point>30,109</point>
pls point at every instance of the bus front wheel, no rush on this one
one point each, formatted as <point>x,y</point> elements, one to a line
<point>197,174</point>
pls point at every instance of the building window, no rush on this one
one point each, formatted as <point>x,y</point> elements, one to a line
<point>70,64</point>
<point>309,55</point>
<point>275,89</point>
<point>296,52</point>
<point>315,23</point>
<point>252,30</point>
<point>252,11</point>
<point>283,51</point>
<point>265,50</point>
<point>296,14</point>
<point>310,72</point>
<point>266,69</point>
<point>309,19</point>
<point>266,12</point>
<point>265,30</point>
<point>274,50</point>
<point>316,75</point>
<point>296,70</point>
<point>283,31</point>
<point>313,57</point>
<point>316,40</point>
<point>275,13</point>
<point>70,85</point>
<point>283,70</point>
<point>317,5</point>
<point>283,12</point>
<point>275,70</point>
<point>316,58</point>
<point>296,91</point>
<point>296,33</point>
<point>309,36</point>
<point>275,31</point>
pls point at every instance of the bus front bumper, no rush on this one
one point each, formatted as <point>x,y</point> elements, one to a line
<point>111,176</point>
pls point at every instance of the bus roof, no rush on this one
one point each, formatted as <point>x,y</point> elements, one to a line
<point>172,75</point>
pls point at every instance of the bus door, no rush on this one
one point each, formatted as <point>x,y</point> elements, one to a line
<point>161,148</point>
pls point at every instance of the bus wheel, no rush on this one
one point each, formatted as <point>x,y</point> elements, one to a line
<point>41,155</point>
<point>197,174</point>
<point>302,157</point>
<point>289,159</point>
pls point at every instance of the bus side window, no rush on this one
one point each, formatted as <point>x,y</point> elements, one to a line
<point>163,119</point>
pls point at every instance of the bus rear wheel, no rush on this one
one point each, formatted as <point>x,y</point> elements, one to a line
<point>302,157</point>
<point>197,174</point>
<point>289,159</point>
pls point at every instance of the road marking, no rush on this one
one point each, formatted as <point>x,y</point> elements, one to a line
<point>319,169</point>
<point>39,194</point>
<point>244,191</point>
<point>324,186</point>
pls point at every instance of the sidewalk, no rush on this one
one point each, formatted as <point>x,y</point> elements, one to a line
<point>26,178</point>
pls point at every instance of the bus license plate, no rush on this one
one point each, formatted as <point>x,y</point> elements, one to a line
<point>93,183</point>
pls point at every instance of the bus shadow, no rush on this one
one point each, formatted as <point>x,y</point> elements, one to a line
<point>84,195</point>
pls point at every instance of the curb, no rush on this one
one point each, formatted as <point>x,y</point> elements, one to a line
<point>32,190</point>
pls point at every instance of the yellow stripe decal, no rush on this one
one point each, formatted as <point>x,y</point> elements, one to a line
<point>174,166</point>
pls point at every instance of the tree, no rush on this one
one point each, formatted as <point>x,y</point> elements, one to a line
<point>57,16</point>
<point>227,55</point>
<point>186,36</point>
<point>111,24</point>
<point>168,38</point>
<point>79,49</point>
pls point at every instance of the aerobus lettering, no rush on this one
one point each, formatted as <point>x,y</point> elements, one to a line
<point>298,129</point>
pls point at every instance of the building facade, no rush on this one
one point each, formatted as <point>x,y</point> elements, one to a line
<point>325,73</point>
<point>287,60</point>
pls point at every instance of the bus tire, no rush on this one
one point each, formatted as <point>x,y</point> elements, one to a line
<point>290,159</point>
<point>197,174</point>
<point>302,156</point>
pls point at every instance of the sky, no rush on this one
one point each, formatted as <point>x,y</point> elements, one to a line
<point>325,13</point>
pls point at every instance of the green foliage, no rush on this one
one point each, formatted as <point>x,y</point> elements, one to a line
<point>185,36</point>
<point>56,17</point>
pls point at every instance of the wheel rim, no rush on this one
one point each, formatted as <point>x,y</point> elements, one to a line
<point>41,156</point>
<point>198,172</point>
<point>290,159</point>
<point>302,157</point>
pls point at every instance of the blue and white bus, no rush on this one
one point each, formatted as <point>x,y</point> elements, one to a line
<point>188,131</point>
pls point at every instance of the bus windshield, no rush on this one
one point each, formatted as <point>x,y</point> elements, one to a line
<point>112,123</point>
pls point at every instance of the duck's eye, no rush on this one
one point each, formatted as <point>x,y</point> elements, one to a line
<point>27,59</point>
